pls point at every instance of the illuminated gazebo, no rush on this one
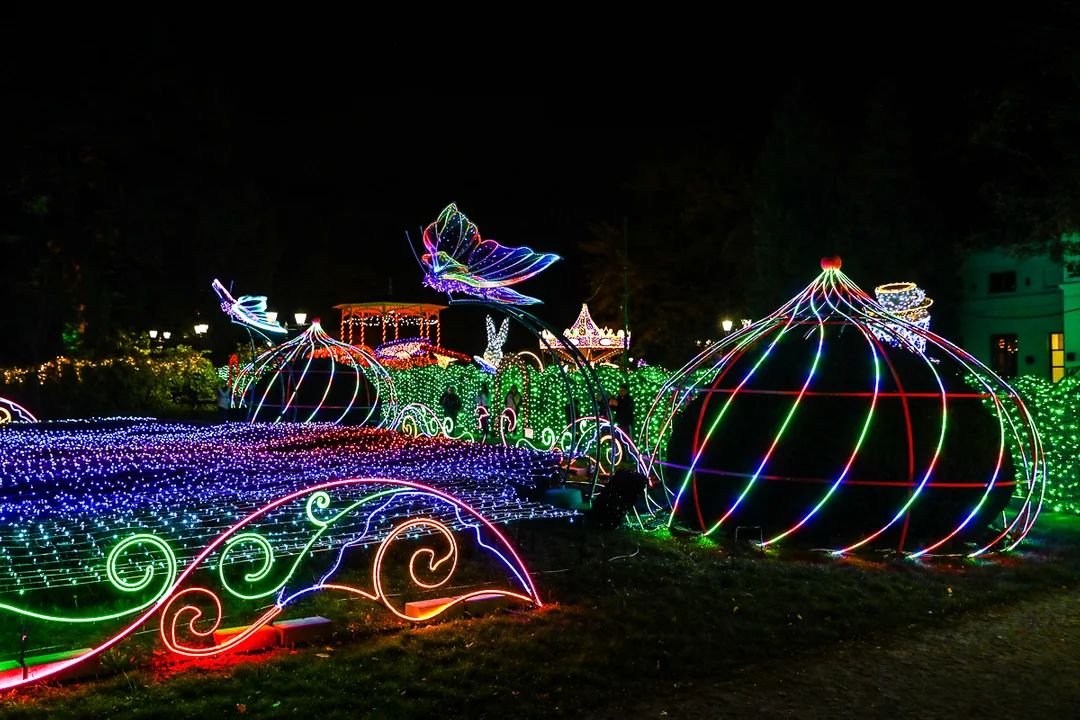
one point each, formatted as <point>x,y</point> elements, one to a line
<point>595,343</point>
<point>390,321</point>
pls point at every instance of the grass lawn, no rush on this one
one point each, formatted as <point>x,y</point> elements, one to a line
<point>638,614</point>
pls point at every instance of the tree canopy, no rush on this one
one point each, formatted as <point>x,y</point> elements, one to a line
<point>900,174</point>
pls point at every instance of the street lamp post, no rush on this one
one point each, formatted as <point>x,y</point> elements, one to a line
<point>300,318</point>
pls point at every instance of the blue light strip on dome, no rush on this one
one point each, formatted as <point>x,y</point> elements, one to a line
<point>787,418</point>
<point>862,435</point>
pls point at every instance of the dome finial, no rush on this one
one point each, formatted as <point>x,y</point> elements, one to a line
<point>831,263</point>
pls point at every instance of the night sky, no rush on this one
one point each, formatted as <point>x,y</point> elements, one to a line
<point>346,174</point>
<point>339,168</point>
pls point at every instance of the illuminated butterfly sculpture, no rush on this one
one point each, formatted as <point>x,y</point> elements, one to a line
<point>458,260</point>
<point>247,310</point>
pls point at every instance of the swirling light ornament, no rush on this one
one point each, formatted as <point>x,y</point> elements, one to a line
<point>419,420</point>
<point>289,365</point>
<point>11,411</point>
<point>181,607</point>
<point>920,460</point>
<point>907,301</point>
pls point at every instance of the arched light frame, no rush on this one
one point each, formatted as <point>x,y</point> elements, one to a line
<point>11,411</point>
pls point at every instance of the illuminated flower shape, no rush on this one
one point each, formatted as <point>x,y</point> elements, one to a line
<point>315,378</point>
<point>826,423</point>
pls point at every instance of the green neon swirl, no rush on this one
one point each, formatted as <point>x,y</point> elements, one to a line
<point>320,499</point>
<point>120,583</point>
<point>251,577</point>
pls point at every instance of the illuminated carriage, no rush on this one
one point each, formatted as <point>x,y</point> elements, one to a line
<point>595,343</point>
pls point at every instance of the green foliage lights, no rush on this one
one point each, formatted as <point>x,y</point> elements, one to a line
<point>1056,410</point>
<point>547,393</point>
<point>141,381</point>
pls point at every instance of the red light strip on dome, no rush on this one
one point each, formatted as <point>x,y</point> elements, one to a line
<point>811,393</point>
<point>862,433</point>
<point>783,426</point>
<point>723,411</point>
<point>825,481</point>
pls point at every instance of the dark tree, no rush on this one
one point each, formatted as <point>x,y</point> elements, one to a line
<point>120,203</point>
<point>688,253</point>
<point>1025,145</point>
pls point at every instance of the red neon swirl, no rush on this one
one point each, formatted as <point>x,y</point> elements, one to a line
<point>170,623</point>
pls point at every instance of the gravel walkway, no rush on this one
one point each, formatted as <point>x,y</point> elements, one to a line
<point>1013,662</point>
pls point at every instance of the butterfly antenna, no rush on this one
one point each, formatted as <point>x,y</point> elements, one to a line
<point>413,250</point>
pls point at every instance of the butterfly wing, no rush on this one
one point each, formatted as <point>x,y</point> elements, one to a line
<point>506,296</point>
<point>252,309</point>
<point>456,252</point>
<point>450,238</point>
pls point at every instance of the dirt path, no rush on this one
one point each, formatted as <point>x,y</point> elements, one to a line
<point>1016,662</point>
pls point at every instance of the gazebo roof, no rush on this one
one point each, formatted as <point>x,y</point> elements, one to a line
<point>378,309</point>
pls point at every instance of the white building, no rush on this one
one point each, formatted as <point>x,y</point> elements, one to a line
<point>1020,316</point>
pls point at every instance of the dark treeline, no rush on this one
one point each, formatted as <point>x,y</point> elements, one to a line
<point>900,173</point>
<point>126,187</point>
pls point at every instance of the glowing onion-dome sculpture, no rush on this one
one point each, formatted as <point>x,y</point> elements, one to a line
<point>595,343</point>
<point>825,422</point>
<point>416,352</point>
<point>11,411</point>
<point>909,302</point>
<point>313,377</point>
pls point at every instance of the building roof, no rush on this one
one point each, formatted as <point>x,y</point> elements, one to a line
<point>370,309</point>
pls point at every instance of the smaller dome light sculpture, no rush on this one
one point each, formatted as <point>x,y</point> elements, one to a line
<point>314,378</point>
